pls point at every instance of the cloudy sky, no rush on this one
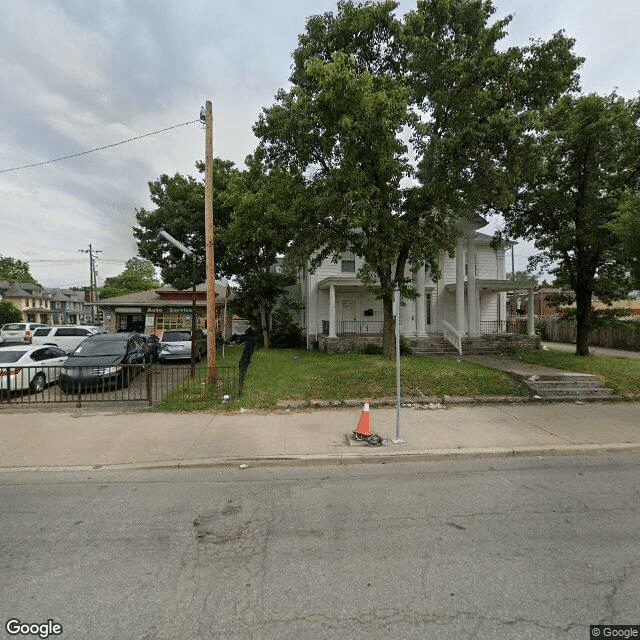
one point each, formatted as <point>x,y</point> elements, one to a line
<point>77,75</point>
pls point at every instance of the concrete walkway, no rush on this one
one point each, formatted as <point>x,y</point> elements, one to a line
<point>44,440</point>
<point>602,351</point>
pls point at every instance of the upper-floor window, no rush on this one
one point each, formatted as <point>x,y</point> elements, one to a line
<point>348,263</point>
<point>466,264</point>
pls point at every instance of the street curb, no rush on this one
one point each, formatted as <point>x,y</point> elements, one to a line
<point>379,456</point>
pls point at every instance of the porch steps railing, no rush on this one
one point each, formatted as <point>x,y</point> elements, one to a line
<point>452,335</point>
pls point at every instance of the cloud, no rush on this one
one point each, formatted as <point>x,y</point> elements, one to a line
<point>78,75</point>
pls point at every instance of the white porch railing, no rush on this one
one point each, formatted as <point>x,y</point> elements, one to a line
<point>452,335</point>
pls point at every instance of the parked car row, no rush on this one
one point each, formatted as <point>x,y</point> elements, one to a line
<point>88,356</point>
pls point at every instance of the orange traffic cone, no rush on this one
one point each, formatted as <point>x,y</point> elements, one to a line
<point>364,424</point>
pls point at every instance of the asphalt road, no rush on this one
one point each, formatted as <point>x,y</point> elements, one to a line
<point>521,548</point>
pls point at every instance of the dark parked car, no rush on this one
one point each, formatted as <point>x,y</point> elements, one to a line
<point>103,360</point>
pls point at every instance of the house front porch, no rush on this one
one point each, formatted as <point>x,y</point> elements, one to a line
<point>494,335</point>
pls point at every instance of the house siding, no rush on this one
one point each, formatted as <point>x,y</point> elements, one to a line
<point>490,266</point>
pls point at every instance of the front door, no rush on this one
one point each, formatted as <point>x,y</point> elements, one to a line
<point>349,323</point>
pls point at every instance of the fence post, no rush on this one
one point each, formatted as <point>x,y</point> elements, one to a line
<point>148,374</point>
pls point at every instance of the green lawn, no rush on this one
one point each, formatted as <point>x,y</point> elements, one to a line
<point>289,374</point>
<point>619,373</point>
<point>301,375</point>
<point>193,394</point>
<point>295,374</point>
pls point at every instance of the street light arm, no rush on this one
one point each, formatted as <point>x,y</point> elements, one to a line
<point>175,243</point>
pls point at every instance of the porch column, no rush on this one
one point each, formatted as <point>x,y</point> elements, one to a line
<point>420,303</point>
<point>530,314</point>
<point>332,311</point>
<point>460,285</point>
<point>471,285</point>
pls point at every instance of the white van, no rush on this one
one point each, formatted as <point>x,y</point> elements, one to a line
<point>66,337</point>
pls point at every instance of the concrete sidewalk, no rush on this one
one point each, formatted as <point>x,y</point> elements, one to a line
<point>593,350</point>
<point>44,440</point>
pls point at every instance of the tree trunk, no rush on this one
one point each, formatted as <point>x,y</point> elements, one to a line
<point>388,335</point>
<point>583,319</point>
<point>265,327</point>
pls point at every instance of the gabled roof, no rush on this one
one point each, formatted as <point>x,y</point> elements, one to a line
<point>13,289</point>
<point>155,297</point>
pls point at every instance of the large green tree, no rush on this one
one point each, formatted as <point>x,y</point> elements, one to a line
<point>626,228</point>
<point>179,210</point>
<point>265,209</point>
<point>402,126</point>
<point>14,269</point>
<point>138,275</point>
<point>581,209</point>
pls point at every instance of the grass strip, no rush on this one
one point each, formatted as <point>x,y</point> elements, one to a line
<point>194,394</point>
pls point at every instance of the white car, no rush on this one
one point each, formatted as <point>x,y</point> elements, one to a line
<point>28,367</point>
<point>67,337</point>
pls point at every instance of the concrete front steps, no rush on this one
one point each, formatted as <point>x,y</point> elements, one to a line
<point>568,386</point>
<point>432,346</point>
<point>438,345</point>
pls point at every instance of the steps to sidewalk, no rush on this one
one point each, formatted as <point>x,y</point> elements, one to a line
<point>568,386</point>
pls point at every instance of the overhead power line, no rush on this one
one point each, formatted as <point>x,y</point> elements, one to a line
<point>107,146</point>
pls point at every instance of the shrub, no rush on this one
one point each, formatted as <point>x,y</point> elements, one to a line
<point>9,313</point>
<point>541,329</point>
<point>285,331</point>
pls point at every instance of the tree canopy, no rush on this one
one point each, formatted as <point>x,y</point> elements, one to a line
<point>14,269</point>
<point>265,215</point>
<point>138,275</point>
<point>179,210</point>
<point>582,206</point>
<point>9,312</point>
<point>402,126</point>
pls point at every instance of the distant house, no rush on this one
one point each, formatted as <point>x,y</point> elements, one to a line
<point>465,308</point>
<point>31,300</point>
<point>155,310</point>
<point>543,309</point>
<point>68,307</point>
<point>518,305</point>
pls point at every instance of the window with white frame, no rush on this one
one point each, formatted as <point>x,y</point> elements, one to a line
<point>348,263</point>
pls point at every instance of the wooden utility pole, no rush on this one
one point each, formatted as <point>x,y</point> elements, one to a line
<point>93,281</point>
<point>209,234</point>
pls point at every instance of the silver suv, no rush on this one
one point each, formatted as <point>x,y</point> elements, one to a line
<point>175,344</point>
<point>19,331</point>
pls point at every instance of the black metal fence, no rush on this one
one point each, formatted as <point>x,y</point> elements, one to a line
<point>513,325</point>
<point>355,327</point>
<point>245,359</point>
<point>148,383</point>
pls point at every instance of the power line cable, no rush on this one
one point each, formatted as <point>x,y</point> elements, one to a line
<point>108,146</point>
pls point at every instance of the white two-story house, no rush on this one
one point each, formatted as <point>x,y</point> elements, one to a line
<point>463,311</point>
